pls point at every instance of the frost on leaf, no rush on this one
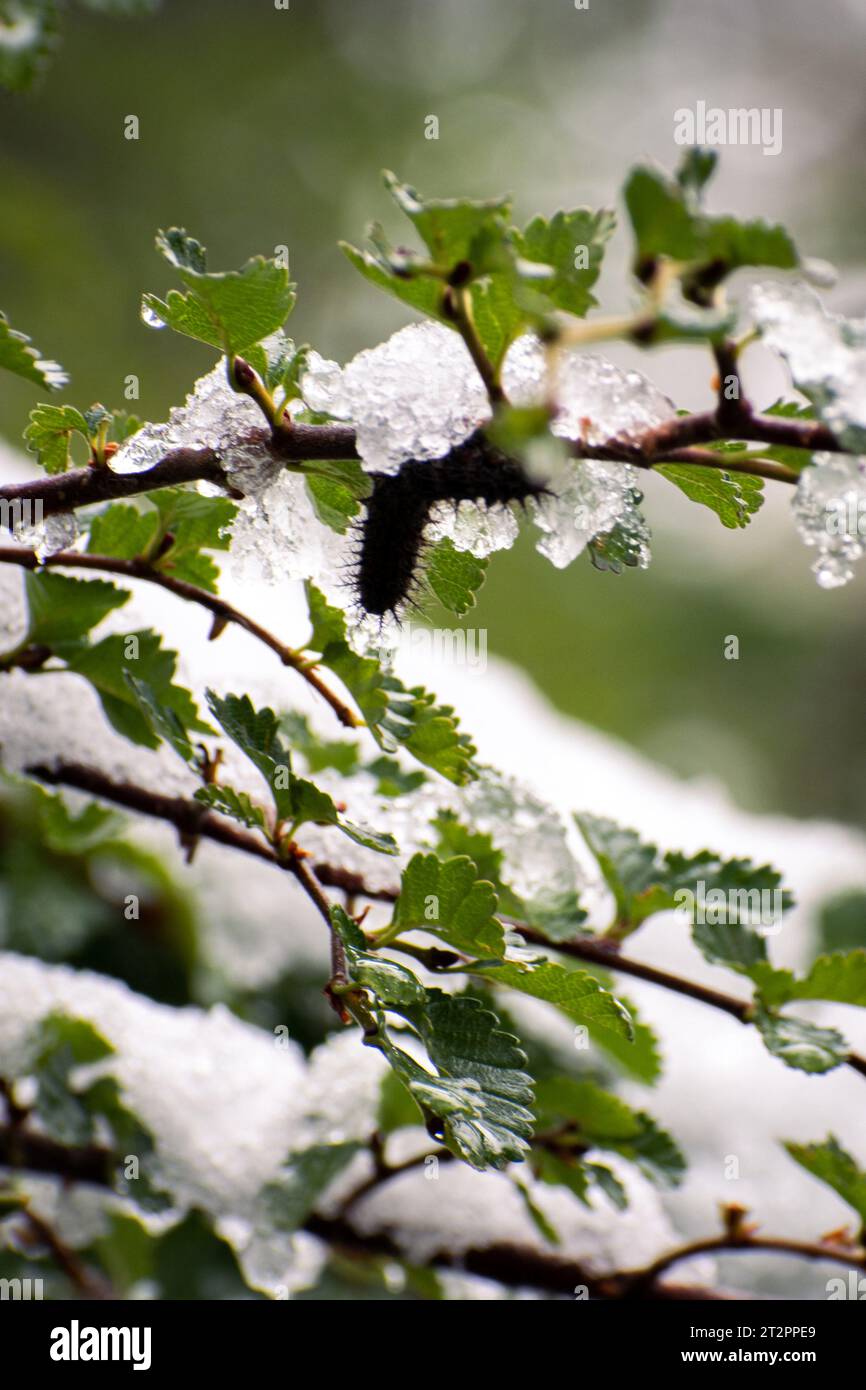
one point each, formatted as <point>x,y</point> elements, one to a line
<point>825,352</point>
<point>830,511</point>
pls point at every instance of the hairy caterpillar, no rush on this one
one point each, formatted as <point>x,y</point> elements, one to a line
<point>399,506</point>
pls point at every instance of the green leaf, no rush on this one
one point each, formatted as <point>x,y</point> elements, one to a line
<point>598,1119</point>
<point>454,575</point>
<point>74,832</point>
<point>397,1109</point>
<point>188,525</point>
<point>319,753</point>
<point>49,434</point>
<point>498,316</point>
<point>164,721</point>
<point>643,883</point>
<point>478,1102</point>
<point>286,1202</point>
<point>629,867</point>
<point>573,245</point>
<point>617,549</point>
<point>418,291</point>
<point>842,922</point>
<point>109,663</point>
<point>257,734</point>
<point>556,914</point>
<point>392,983</point>
<point>574,992</point>
<point>640,1058</point>
<point>337,497</point>
<point>280,364</point>
<point>729,943</point>
<point>458,233</point>
<point>661,222</point>
<point>229,310</point>
<point>393,781</point>
<point>536,1215</point>
<point>802,1045</point>
<point>236,804</point>
<point>667,222</point>
<point>123,530</point>
<point>60,1045</point>
<point>63,610</point>
<point>129,1136</point>
<point>451,902</point>
<point>839,978</point>
<point>17,355</point>
<point>394,714</point>
<point>734,497</point>
<point>696,168</point>
<point>454,230</point>
<point>831,1164</point>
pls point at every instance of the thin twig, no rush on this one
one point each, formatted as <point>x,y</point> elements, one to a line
<point>588,949</point>
<point>637,1281</point>
<point>222,611</point>
<point>82,487</point>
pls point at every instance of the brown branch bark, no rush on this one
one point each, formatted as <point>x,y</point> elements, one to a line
<point>82,487</point>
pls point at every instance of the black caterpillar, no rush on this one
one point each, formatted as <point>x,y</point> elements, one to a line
<point>396,512</point>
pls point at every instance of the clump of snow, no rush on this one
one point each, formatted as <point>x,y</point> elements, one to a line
<point>213,417</point>
<point>591,499</point>
<point>277,536</point>
<point>57,532</point>
<point>227,1103</point>
<point>830,512</point>
<point>825,352</point>
<point>480,531</point>
<point>593,399</point>
<point>417,395</point>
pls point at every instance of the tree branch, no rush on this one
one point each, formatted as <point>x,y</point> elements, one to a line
<point>593,951</point>
<point>222,611</point>
<point>82,487</point>
<point>637,1281</point>
<point>513,1266</point>
<point>190,819</point>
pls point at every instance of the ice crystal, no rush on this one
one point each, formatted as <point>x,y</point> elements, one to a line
<point>417,395</point>
<point>594,400</point>
<point>825,352</point>
<point>830,511</point>
<point>47,537</point>
<point>538,863</point>
<point>589,500</point>
<point>212,417</point>
<point>276,535</point>
<point>473,529</point>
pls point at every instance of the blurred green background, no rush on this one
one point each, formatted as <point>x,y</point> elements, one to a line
<point>262,126</point>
